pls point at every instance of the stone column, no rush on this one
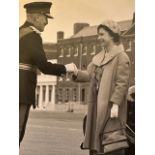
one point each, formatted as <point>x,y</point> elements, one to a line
<point>53,95</point>
<point>40,96</point>
<point>47,96</point>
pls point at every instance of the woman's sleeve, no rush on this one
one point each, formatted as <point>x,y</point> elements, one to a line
<point>83,76</point>
<point>122,79</point>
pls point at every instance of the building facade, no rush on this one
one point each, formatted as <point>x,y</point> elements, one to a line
<point>129,44</point>
<point>45,90</point>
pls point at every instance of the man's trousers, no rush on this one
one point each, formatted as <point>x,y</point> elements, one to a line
<point>23,117</point>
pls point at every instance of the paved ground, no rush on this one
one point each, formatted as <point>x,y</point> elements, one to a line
<point>53,134</point>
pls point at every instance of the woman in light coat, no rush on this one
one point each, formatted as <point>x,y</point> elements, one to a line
<point>108,74</point>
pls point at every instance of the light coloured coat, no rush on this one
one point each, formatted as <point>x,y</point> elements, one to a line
<point>112,89</point>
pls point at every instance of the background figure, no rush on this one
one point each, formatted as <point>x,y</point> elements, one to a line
<point>108,74</point>
<point>31,57</point>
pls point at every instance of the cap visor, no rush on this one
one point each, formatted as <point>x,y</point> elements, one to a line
<point>49,16</point>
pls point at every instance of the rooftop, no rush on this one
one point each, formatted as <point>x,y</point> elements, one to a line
<point>130,31</point>
<point>92,30</point>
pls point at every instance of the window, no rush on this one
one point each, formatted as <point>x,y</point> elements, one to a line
<point>61,52</point>
<point>94,50</point>
<point>83,95</point>
<point>74,94</point>
<point>76,52</point>
<point>60,95</point>
<point>128,49</point>
<point>84,50</point>
<point>69,52</point>
<point>44,93</point>
<point>67,95</point>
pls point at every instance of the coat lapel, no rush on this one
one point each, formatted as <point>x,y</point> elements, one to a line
<point>103,58</point>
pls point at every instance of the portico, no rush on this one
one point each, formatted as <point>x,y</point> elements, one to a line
<point>45,92</point>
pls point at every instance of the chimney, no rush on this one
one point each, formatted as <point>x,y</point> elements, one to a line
<point>60,35</point>
<point>79,26</point>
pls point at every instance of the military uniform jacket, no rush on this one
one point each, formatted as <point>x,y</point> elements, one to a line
<point>31,52</point>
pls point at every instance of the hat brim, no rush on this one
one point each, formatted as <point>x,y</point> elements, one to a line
<point>49,15</point>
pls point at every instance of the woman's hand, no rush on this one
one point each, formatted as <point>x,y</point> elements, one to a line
<point>114,111</point>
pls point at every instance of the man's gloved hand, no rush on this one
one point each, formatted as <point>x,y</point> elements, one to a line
<point>71,68</point>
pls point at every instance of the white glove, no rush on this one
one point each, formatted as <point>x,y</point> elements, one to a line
<point>130,92</point>
<point>114,111</point>
<point>71,68</point>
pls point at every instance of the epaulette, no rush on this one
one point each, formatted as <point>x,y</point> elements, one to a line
<point>35,30</point>
<point>24,31</point>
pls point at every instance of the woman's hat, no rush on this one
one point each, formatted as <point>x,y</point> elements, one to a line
<point>112,25</point>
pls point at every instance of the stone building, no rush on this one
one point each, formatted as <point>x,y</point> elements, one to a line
<point>129,44</point>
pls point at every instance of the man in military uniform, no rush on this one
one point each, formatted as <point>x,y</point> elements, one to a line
<point>32,56</point>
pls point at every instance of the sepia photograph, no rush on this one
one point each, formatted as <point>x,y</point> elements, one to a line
<point>77,77</point>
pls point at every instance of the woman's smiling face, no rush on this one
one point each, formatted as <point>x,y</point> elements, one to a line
<point>104,37</point>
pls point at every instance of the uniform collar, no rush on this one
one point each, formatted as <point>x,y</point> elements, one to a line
<point>103,58</point>
<point>32,27</point>
<point>35,30</point>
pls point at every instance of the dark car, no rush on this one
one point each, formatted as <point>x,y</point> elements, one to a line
<point>130,126</point>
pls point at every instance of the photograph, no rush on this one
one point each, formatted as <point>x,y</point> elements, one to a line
<point>77,77</point>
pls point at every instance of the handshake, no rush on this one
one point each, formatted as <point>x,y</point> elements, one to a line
<point>71,68</point>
